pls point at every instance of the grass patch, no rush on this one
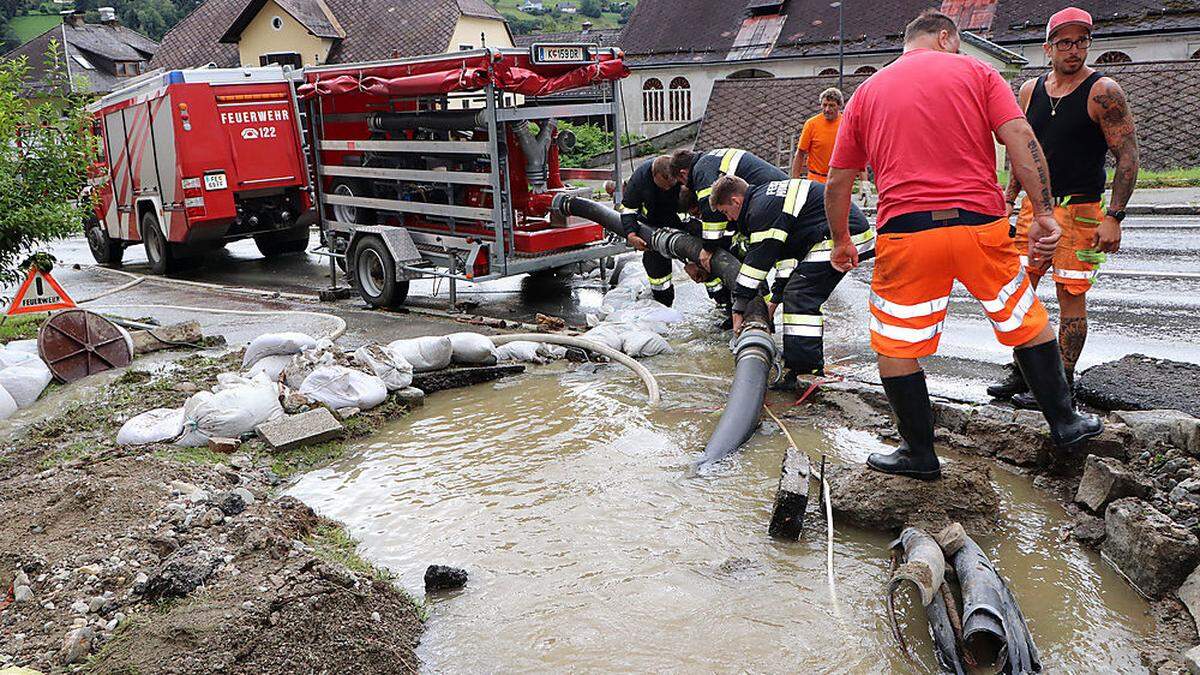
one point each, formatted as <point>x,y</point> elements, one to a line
<point>192,456</point>
<point>29,26</point>
<point>21,327</point>
<point>74,451</point>
<point>333,544</point>
<point>1146,179</point>
<point>306,458</point>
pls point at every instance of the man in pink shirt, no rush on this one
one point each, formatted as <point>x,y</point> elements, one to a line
<point>926,124</point>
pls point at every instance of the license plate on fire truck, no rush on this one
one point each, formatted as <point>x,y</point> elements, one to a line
<point>215,181</point>
<point>560,54</point>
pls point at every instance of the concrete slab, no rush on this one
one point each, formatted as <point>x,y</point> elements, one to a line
<point>294,431</point>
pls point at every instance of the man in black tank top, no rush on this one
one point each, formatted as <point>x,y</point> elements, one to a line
<point>1078,115</point>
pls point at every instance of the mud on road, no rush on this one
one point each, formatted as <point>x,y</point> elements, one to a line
<point>160,559</point>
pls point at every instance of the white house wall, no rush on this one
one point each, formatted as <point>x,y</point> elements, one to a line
<point>1175,47</point>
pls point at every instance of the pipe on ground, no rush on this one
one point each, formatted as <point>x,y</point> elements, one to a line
<point>754,350</point>
<point>924,565</point>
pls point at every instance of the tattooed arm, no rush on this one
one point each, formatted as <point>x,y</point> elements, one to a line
<point>1013,190</point>
<point>1108,107</point>
<point>1030,168</point>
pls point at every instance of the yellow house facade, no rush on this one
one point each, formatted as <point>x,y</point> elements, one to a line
<point>274,33</point>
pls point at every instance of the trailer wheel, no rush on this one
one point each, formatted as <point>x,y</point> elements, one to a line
<point>106,250</point>
<point>159,251</point>
<point>356,215</point>
<point>282,242</point>
<point>374,273</point>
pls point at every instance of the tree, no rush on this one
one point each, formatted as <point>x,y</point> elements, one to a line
<point>45,149</point>
<point>590,8</point>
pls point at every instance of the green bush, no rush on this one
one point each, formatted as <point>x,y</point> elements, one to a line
<point>590,140</point>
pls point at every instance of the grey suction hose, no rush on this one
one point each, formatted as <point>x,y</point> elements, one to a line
<point>754,351</point>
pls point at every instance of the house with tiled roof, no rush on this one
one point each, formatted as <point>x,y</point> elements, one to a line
<point>89,57</point>
<point>677,49</point>
<point>228,33</point>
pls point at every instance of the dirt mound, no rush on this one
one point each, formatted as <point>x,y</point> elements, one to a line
<point>879,501</point>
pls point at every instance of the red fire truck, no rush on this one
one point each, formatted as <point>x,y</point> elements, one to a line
<point>195,158</point>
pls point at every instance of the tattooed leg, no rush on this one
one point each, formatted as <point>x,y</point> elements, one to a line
<point>1072,329</point>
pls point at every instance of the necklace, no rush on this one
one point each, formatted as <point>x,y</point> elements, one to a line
<point>1054,104</point>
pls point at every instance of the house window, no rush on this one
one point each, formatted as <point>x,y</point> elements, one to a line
<point>282,58</point>
<point>277,22</point>
<point>83,62</point>
<point>652,100</point>
<point>828,72</point>
<point>465,48</point>
<point>127,68</point>
<point>749,74</point>
<point>1114,57</point>
<point>680,100</point>
<point>863,70</point>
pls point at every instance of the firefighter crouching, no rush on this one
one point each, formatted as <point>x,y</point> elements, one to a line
<point>785,226</point>
<point>651,196</point>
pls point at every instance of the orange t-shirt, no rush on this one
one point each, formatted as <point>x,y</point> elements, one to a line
<point>817,140</point>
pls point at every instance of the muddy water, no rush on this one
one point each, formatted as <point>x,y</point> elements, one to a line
<point>592,548</point>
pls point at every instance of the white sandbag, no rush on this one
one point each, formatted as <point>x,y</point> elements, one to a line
<point>521,351</point>
<point>472,349</point>
<point>622,297</point>
<point>424,353</point>
<point>8,407</point>
<point>646,310</point>
<point>233,380</point>
<point>395,372</point>
<point>608,334</point>
<point>552,352</point>
<point>272,366</point>
<point>640,343</point>
<point>156,426</point>
<point>339,387</point>
<point>307,361</point>
<point>12,357</point>
<point>28,346</point>
<point>229,413</point>
<point>25,382</point>
<point>276,343</point>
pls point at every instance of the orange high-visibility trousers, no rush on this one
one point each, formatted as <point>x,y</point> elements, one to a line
<point>1078,223</point>
<point>915,272</point>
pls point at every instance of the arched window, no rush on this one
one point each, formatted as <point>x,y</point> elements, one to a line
<point>680,100</point>
<point>865,70</point>
<point>750,74</point>
<point>1114,57</point>
<point>652,100</point>
<point>828,72</point>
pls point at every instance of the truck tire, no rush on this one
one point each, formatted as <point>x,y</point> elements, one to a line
<point>374,274</point>
<point>159,251</point>
<point>283,242</point>
<point>357,215</point>
<point>106,250</point>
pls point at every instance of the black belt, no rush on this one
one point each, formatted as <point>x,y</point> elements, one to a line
<point>1078,199</point>
<point>928,220</point>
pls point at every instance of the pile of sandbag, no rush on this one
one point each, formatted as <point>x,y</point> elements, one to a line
<point>23,376</point>
<point>234,407</point>
<point>630,320</point>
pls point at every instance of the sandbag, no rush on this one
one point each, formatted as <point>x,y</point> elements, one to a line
<point>472,349</point>
<point>229,413</point>
<point>13,357</point>
<point>610,335</point>
<point>304,363</point>
<point>340,387</point>
<point>276,343</point>
<point>640,343</point>
<point>27,346</point>
<point>521,351</point>
<point>155,426</point>
<point>26,382</point>
<point>426,354</point>
<point>647,311</point>
<point>395,372</point>
<point>8,407</point>
<point>271,366</point>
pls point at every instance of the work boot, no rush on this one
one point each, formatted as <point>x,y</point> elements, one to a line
<point>915,457</point>
<point>1026,400</point>
<point>1043,369</point>
<point>1012,384</point>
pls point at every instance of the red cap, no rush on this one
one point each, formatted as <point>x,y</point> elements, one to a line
<point>1071,16</point>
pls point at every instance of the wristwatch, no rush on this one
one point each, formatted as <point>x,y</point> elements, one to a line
<point>1117,215</point>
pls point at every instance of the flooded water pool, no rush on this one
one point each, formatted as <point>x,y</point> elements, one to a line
<point>591,546</point>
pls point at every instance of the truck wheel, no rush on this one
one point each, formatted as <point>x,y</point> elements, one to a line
<point>106,250</point>
<point>283,242</point>
<point>159,251</point>
<point>351,214</point>
<point>374,273</point>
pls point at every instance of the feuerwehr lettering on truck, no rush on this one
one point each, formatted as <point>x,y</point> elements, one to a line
<point>256,117</point>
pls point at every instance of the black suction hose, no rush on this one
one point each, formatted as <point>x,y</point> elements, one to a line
<point>754,351</point>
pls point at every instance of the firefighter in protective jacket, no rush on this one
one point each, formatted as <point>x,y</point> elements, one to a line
<point>651,196</point>
<point>784,223</point>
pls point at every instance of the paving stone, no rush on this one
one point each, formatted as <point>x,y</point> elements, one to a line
<point>294,431</point>
<point>1105,481</point>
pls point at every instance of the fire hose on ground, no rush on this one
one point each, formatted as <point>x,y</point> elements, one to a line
<point>754,349</point>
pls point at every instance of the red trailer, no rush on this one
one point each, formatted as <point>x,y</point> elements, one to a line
<point>192,159</point>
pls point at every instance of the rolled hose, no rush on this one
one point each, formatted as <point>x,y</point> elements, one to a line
<point>652,392</point>
<point>754,351</point>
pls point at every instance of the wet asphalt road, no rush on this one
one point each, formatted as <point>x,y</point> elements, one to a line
<point>1144,301</point>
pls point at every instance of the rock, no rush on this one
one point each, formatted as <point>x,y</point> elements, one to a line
<point>1191,659</point>
<point>294,402</point>
<point>1088,530</point>
<point>950,416</point>
<point>294,431</point>
<point>1189,595</point>
<point>441,578</point>
<point>186,387</point>
<point>1188,490</point>
<point>246,495</point>
<point>241,461</point>
<point>96,604</point>
<point>181,574</point>
<point>111,625</point>
<point>347,413</point>
<point>1138,382</point>
<point>230,503</point>
<point>225,446</point>
<point>21,579</point>
<point>190,492</point>
<point>452,378</point>
<point>1150,549</point>
<point>411,397</point>
<point>883,502</point>
<point>22,594</point>
<point>1106,480</point>
<point>376,617</point>
<point>76,646</point>
<point>1171,427</point>
<point>79,607</point>
<point>212,517</point>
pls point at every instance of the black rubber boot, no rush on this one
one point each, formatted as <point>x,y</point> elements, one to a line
<point>1043,369</point>
<point>666,296</point>
<point>1027,401</point>
<point>915,457</point>
<point>1012,384</point>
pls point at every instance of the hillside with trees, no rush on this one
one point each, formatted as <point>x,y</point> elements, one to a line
<point>150,17</point>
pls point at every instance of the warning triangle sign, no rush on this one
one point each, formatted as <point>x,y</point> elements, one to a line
<point>39,293</point>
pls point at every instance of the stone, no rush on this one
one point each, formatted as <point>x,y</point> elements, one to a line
<point>1189,595</point>
<point>411,397</point>
<point>1138,382</point>
<point>453,378</point>
<point>1151,550</point>
<point>96,604</point>
<point>950,416</point>
<point>76,646</point>
<point>186,387</point>
<point>212,517</point>
<point>294,402</point>
<point>1150,427</point>
<point>231,503</point>
<point>347,413</point>
<point>1191,659</point>
<point>791,498</point>
<point>1188,490</point>
<point>181,574</point>
<point>21,579</point>
<point>442,578</point>
<point>246,495</point>
<point>22,594</point>
<point>1088,530</point>
<point>79,607</point>
<point>880,501</point>
<point>224,446</point>
<point>190,492</point>
<point>294,431</point>
<point>1106,480</point>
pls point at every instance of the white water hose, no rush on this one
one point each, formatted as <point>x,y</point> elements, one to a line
<point>339,322</point>
<point>581,343</point>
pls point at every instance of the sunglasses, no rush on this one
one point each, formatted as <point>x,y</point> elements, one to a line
<point>1065,45</point>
